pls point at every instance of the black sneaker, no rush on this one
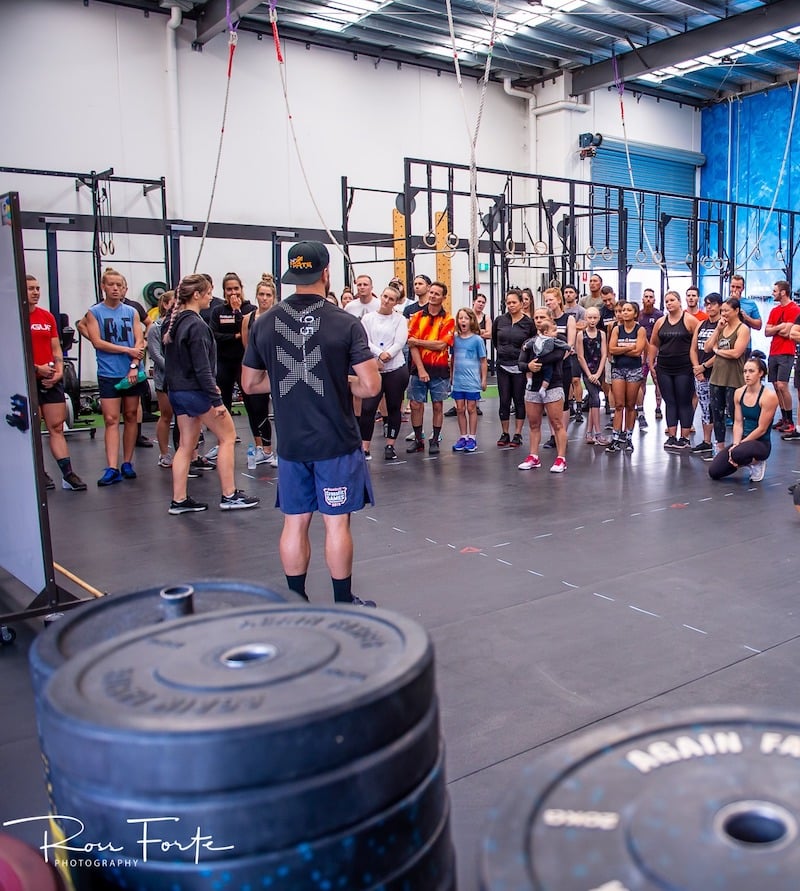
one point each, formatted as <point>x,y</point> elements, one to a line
<point>187,506</point>
<point>614,446</point>
<point>418,445</point>
<point>48,482</point>
<point>238,501</point>
<point>202,463</point>
<point>357,601</point>
<point>702,448</point>
<point>478,410</point>
<point>796,499</point>
<point>550,444</point>
<point>503,441</point>
<point>142,442</point>
<point>433,447</point>
<point>451,412</point>
<point>516,441</point>
<point>73,482</point>
<point>389,453</point>
<point>659,416</point>
<point>671,443</point>
<point>578,417</point>
<point>628,444</point>
<point>683,442</point>
<point>791,437</point>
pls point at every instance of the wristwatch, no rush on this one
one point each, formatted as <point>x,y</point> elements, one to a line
<point>134,365</point>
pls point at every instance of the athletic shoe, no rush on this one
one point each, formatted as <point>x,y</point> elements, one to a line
<point>201,464</point>
<point>73,482</point>
<point>417,445</point>
<point>503,441</point>
<point>614,446</point>
<point>702,448</point>
<point>389,454</point>
<point>412,436</point>
<point>187,506</point>
<point>357,601</point>
<point>780,426</point>
<point>516,440</point>
<point>794,487</point>
<point>111,476</point>
<point>559,465</point>
<point>238,438</point>
<point>550,444</point>
<point>48,482</point>
<point>478,410</point>
<point>791,437</point>
<point>211,454</point>
<point>627,445</point>
<point>433,446</point>
<point>642,421</point>
<point>460,444</point>
<point>610,424</point>
<point>238,501</point>
<point>193,474</point>
<point>591,439</point>
<point>532,462</point>
<point>261,455</point>
<point>608,409</point>
<point>789,430</point>
<point>757,471</point>
<point>142,442</point>
<point>367,455</point>
<point>659,415</point>
<point>578,417</point>
<point>671,443</point>
<point>127,471</point>
<point>683,443</point>
<point>451,412</point>
<point>272,459</point>
<point>472,444</point>
<point>165,460</point>
<point>708,456</point>
<point>601,440</point>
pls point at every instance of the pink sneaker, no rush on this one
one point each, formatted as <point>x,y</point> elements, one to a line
<point>530,463</point>
<point>559,465</point>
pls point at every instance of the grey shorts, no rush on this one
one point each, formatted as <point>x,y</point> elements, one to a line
<point>629,375</point>
<point>555,394</point>
<point>779,368</point>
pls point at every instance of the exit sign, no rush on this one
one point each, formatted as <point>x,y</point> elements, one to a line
<point>483,267</point>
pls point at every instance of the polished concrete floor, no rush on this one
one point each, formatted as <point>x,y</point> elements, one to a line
<point>630,584</point>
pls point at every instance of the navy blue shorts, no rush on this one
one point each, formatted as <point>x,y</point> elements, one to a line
<point>189,402</point>
<point>334,486</point>
<point>107,388</point>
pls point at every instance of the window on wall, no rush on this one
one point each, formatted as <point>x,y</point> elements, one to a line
<point>664,172</point>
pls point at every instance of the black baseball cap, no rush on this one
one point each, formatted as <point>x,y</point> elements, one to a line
<point>307,259</point>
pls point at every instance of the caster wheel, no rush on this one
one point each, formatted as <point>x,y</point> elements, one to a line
<point>7,635</point>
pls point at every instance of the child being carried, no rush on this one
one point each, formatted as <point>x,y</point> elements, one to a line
<point>540,344</point>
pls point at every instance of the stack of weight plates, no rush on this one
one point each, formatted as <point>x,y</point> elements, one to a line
<point>23,869</point>
<point>115,614</point>
<point>285,747</point>
<point>694,801</point>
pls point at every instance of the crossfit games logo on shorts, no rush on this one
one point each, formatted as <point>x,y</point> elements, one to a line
<point>335,497</point>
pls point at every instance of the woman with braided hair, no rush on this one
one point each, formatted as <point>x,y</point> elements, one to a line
<point>190,358</point>
<point>257,404</point>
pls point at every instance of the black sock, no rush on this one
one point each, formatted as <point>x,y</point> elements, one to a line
<point>436,433</point>
<point>138,430</point>
<point>297,583</point>
<point>790,416</point>
<point>342,589</point>
<point>418,431</point>
<point>64,465</point>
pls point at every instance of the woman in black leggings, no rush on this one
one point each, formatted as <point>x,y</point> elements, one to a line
<point>671,342</point>
<point>257,404</point>
<point>226,326</point>
<point>509,332</point>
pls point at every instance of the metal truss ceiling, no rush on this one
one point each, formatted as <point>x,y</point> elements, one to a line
<point>692,51</point>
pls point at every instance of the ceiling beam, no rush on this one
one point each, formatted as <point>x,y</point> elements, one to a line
<point>642,14</point>
<point>748,25</point>
<point>213,19</point>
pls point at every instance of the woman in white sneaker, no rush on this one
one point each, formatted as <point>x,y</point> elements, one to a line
<point>257,404</point>
<point>754,409</point>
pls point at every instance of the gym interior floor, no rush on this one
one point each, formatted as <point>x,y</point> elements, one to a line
<point>630,584</point>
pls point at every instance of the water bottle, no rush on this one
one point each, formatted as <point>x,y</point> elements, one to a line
<point>251,457</point>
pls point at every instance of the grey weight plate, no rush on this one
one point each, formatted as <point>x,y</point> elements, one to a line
<point>262,818</point>
<point>694,801</point>
<point>408,842</point>
<point>115,614</point>
<point>237,698</point>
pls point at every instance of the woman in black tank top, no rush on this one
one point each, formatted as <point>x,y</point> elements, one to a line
<point>671,342</point>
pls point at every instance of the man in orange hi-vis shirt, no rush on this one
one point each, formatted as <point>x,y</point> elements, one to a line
<point>430,336</point>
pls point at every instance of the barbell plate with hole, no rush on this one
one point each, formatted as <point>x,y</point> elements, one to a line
<point>194,704</point>
<point>698,800</point>
<point>116,614</point>
<point>262,818</point>
<point>153,292</point>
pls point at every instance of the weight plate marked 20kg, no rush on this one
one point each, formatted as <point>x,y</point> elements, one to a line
<point>265,818</point>
<point>115,614</point>
<point>194,705</point>
<point>700,800</point>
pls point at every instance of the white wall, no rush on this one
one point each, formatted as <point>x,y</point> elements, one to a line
<point>91,91</point>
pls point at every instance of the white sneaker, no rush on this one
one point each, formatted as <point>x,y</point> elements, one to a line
<point>757,471</point>
<point>530,463</point>
<point>211,454</point>
<point>165,460</point>
<point>272,459</point>
<point>412,436</point>
<point>261,456</point>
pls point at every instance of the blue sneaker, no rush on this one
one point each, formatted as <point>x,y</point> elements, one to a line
<point>460,444</point>
<point>111,476</point>
<point>127,471</point>
<point>472,444</point>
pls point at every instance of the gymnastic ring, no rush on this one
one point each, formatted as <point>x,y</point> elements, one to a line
<point>111,249</point>
<point>591,253</point>
<point>540,248</point>
<point>452,240</point>
<point>510,247</point>
<point>641,256</point>
<point>103,248</point>
<point>756,253</point>
<point>689,259</point>
<point>555,283</point>
<point>658,258</point>
<point>429,240</point>
<point>780,256</point>
<point>719,264</point>
<point>450,253</point>
<point>607,253</point>
<point>707,262</point>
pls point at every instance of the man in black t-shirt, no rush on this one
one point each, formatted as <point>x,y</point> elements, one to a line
<point>314,357</point>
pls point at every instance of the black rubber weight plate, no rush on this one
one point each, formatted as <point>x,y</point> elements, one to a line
<point>117,614</point>
<point>696,801</point>
<point>24,869</point>
<point>239,698</point>
<point>262,818</point>
<point>406,848</point>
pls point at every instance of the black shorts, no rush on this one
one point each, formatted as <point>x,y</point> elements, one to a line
<point>107,388</point>
<point>51,395</point>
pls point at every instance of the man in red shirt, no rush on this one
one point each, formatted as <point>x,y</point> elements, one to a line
<point>430,335</point>
<point>48,363</point>
<point>781,351</point>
